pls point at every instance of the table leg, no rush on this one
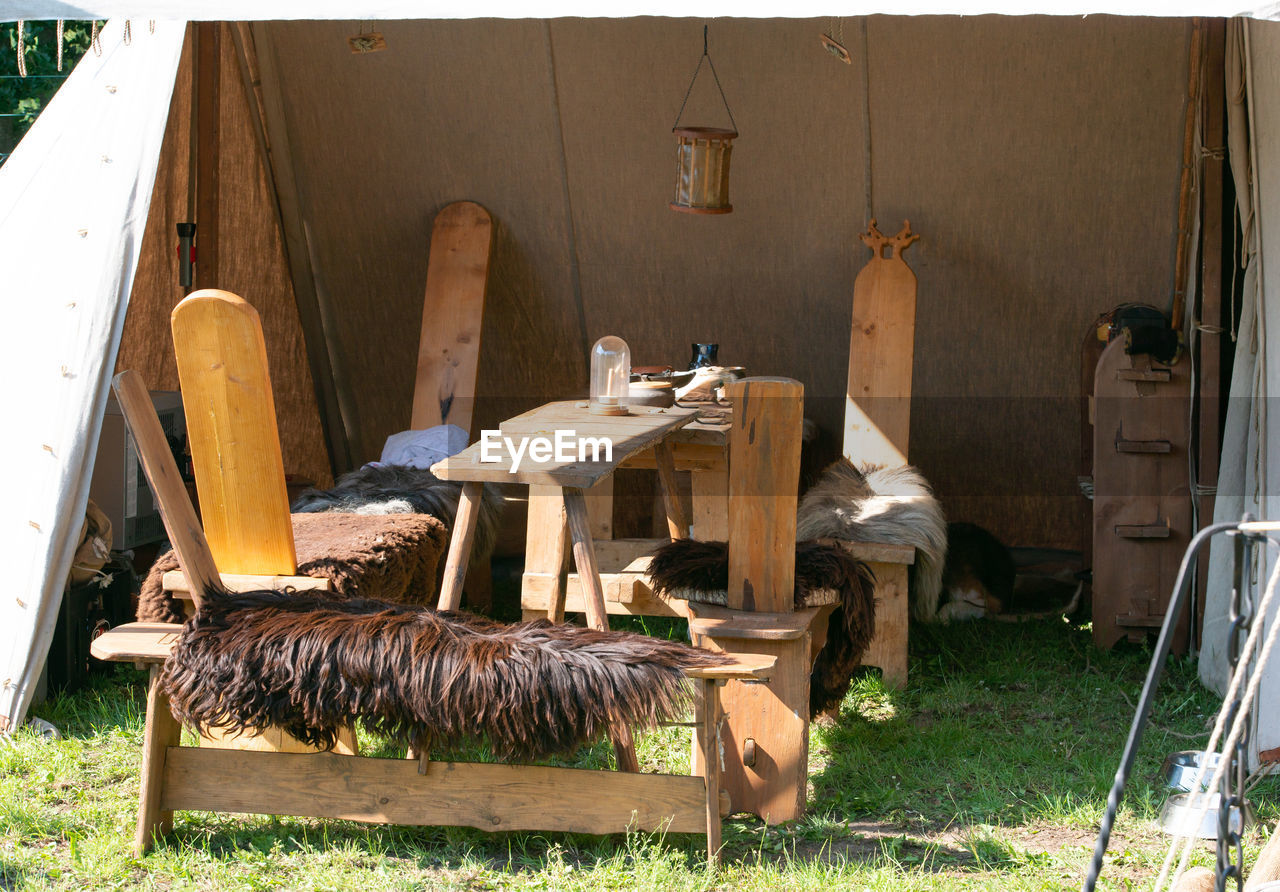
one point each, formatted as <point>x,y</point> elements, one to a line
<point>677,525</point>
<point>547,548</point>
<point>584,556</point>
<point>464,531</point>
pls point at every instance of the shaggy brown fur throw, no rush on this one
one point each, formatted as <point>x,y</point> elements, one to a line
<point>699,571</point>
<point>400,489</point>
<point>392,557</point>
<point>310,663</point>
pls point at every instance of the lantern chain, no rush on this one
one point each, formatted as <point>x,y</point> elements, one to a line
<point>706,57</point>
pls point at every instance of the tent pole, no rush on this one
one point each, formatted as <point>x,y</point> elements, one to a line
<point>1207,339</point>
<point>208,51</point>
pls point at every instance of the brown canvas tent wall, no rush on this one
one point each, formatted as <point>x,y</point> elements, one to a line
<point>1039,158</point>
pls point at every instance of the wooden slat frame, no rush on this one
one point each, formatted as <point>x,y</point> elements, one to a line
<point>488,797</point>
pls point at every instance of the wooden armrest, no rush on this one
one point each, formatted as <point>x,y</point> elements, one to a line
<point>137,643</point>
<point>876,552</point>
<point>758,666</point>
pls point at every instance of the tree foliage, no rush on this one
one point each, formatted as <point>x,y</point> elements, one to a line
<point>23,98</point>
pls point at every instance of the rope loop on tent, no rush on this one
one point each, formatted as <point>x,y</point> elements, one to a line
<point>95,38</point>
<point>61,22</point>
<point>22,48</point>
<point>706,57</point>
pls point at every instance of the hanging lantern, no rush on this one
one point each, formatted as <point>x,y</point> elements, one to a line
<point>702,170</point>
<point>702,155</point>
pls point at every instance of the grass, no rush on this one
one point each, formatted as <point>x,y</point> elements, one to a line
<point>989,772</point>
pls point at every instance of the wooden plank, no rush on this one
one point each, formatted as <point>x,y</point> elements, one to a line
<point>877,420</point>
<point>757,666</point>
<point>764,477</point>
<point>724,624</point>
<point>136,643</point>
<point>161,737</point>
<point>175,582</point>
<point>877,552</point>
<point>584,558</point>
<point>710,491</point>
<point>888,647</point>
<point>176,510</point>
<point>452,316</point>
<point>632,555</point>
<point>535,600</point>
<point>231,425</point>
<point>620,588</point>
<point>464,530</point>
<point>275,739</point>
<point>487,797</point>
<point>687,456</point>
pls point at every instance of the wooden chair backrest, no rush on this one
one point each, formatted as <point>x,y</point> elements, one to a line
<point>877,421</point>
<point>452,313</point>
<point>764,479</point>
<point>231,428</point>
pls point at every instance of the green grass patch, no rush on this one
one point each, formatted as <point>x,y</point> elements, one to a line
<point>990,771</point>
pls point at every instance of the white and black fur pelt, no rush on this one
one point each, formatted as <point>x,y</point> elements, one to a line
<point>885,505</point>
<point>401,489</point>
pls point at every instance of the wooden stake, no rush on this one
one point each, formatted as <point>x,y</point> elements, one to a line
<point>208,62</point>
<point>1185,207</point>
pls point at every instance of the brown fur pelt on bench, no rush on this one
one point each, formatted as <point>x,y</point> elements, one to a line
<point>311,663</point>
<point>401,489</point>
<point>699,571</point>
<point>393,557</point>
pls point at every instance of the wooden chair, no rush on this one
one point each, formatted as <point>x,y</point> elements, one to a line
<point>239,470</point>
<point>766,735</point>
<point>877,423</point>
<point>407,791</point>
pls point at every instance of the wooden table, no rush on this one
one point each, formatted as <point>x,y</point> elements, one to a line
<point>560,487</point>
<point>700,447</point>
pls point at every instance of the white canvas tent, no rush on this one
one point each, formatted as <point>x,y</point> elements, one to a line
<point>74,198</point>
